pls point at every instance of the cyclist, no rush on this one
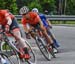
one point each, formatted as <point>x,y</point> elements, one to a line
<point>9,23</point>
<point>33,20</point>
<point>47,25</point>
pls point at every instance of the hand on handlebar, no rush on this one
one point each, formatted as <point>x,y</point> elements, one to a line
<point>50,26</point>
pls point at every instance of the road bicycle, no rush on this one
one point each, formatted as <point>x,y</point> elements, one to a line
<point>4,59</point>
<point>13,52</point>
<point>42,45</point>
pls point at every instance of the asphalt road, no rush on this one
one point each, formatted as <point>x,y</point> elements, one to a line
<point>65,35</point>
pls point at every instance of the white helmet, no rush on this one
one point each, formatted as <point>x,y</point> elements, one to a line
<point>35,10</point>
<point>24,10</point>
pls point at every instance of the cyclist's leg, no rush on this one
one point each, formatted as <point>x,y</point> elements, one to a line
<point>29,28</point>
<point>44,32</point>
<point>52,36</point>
<point>20,41</point>
<point>55,43</point>
<point>46,35</point>
<point>14,27</point>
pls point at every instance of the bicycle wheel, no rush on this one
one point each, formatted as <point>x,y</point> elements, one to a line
<point>8,49</point>
<point>5,59</point>
<point>43,49</point>
<point>32,60</point>
<point>49,48</point>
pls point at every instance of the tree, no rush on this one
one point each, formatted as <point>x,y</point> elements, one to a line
<point>52,6</point>
<point>35,4</point>
<point>9,4</point>
<point>70,7</point>
<point>48,5</point>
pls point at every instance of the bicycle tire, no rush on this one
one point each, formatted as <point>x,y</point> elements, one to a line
<point>13,47</point>
<point>50,51</point>
<point>12,53</point>
<point>32,60</point>
<point>47,55</point>
<point>6,58</point>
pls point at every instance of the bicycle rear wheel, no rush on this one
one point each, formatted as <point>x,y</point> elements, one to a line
<point>43,49</point>
<point>5,59</point>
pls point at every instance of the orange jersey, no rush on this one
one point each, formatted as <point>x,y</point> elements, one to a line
<point>33,19</point>
<point>3,15</point>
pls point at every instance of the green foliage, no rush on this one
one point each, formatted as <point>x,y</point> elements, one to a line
<point>42,5</point>
<point>35,5</point>
<point>70,7</point>
<point>13,7</point>
<point>48,5</point>
<point>9,4</point>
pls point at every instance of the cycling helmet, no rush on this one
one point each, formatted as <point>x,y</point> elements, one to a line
<point>35,10</point>
<point>24,10</point>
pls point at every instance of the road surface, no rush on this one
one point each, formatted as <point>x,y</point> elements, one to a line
<point>65,35</point>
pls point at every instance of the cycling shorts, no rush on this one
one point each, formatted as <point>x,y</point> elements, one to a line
<point>13,25</point>
<point>37,26</point>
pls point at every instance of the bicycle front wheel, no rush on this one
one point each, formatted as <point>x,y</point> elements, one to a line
<point>8,49</point>
<point>50,49</point>
<point>5,59</point>
<point>41,45</point>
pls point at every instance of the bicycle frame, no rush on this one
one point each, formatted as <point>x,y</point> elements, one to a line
<point>10,43</point>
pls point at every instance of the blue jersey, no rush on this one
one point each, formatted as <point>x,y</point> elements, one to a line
<point>43,18</point>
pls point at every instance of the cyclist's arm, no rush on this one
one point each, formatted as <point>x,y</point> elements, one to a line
<point>41,24</point>
<point>24,26</point>
<point>9,20</point>
<point>49,23</point>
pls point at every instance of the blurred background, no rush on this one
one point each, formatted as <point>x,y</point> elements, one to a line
<point>49,7</point>
<point>53,7</point>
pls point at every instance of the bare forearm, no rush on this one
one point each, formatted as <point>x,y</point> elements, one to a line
<point>25,29</point>
<point>41,23</point>
<point>49,22</point>
<point>9,21</point>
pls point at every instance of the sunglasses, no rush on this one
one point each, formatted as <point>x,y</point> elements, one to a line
<point>24,13</point>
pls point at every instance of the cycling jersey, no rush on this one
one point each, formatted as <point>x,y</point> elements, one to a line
<point>3,15</point>
<point>33,19</point>
<point>43,18</point>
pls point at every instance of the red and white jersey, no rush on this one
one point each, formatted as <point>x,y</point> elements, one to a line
<point>3,15</point>
<point>33,19</point>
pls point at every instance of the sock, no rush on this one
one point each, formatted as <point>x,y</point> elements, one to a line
<point>25,50</point>
<point>53,45</point>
